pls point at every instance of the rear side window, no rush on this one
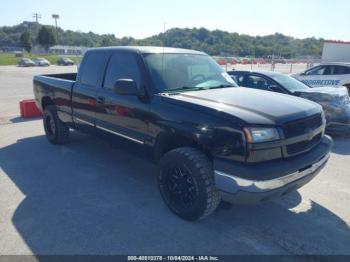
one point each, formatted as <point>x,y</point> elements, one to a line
<point>342,70</point>
<point>319,70</point>
<point>122,66</point>
<point>92,68</point>
<point>329,70</point>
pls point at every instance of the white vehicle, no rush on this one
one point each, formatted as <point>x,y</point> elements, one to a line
<point>327,74</point>
<point>41,61</point>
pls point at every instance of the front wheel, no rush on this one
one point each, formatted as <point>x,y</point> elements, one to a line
<point>56,131</point>
<point>186,183</point>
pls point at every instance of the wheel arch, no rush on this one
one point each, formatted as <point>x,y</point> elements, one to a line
<point>166,142</point>
<point>46,101</point>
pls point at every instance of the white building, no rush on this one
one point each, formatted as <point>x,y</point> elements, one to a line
<point>336,51</point>
<point>67,50</point>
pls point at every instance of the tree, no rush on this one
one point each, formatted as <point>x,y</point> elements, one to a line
<point>26,40</point>
<point>212,42</point>
<point>46,37</point>
<point>108,40</point>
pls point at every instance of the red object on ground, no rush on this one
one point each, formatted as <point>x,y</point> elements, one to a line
<point>29,109</point>
<point>222,62</point>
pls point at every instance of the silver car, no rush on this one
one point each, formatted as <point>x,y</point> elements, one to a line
<point>41,61</point>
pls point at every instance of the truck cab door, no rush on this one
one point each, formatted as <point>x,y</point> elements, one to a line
<point>84,95</point>
<point>122,115</point>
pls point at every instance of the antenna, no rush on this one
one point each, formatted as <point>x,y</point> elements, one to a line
<point>37,17</point>
<point>164,31</point>
<point>163,48</point>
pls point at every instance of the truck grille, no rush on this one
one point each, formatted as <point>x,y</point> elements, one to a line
<point>303,145</point>
<point>303,126</point>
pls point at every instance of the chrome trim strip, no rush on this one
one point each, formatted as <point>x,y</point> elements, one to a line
<point>121,135</point>
<point>267,185</point>
<point>85,122</point>
<point>338,124</point>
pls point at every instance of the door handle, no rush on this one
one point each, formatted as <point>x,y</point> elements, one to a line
<point>101,100</point>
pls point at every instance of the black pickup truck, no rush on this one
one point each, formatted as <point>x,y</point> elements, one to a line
<point>212,139</point>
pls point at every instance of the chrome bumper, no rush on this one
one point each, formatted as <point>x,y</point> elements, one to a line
<point>265,189</point>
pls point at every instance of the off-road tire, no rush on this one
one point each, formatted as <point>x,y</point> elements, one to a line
<point>56,131</point>
<point>201,171</point>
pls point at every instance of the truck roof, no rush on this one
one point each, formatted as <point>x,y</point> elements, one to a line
<point>148,49</point>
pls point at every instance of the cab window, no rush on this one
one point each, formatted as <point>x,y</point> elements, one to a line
<point>122,66</point>
<point>92,69</point>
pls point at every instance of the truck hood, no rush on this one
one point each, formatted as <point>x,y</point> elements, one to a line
<point>251,105</point>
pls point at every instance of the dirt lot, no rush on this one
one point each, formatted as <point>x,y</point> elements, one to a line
<point>89,197</point>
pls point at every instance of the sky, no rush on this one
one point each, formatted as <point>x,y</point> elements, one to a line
<point>142,18</point>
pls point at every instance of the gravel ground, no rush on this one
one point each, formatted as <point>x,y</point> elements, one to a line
<point>90,197</point>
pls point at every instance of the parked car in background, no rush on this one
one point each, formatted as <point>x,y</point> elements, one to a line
<point>280,61</point>
<point>334,100</point>
<point>25,62</point>
<point>327,74</point>
<point>41,61</point>
<point>65,61</point>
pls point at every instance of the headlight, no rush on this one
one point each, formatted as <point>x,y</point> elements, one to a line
<point>261,134</point>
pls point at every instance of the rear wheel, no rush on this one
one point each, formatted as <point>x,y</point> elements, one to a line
<point>186,183</point>
<point>56,131</point>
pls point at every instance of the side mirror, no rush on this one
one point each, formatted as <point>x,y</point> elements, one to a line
<point>126,87</point>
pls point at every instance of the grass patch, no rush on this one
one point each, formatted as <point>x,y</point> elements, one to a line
<point>11,59</point>
<point>8,59</point>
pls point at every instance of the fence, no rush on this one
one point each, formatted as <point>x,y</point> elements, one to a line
<point>283,68</point>
<point>286,66</point>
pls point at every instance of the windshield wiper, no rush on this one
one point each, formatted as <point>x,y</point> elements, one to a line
<point>220,86</point>
<point>183,88</point>
<point>194,88</point>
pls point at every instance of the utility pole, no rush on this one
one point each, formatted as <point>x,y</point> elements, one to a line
<point>56,16</point>
<point>37,17</point>
<point>164,34</point>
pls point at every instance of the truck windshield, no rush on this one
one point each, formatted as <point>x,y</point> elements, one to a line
<point>186,72</point>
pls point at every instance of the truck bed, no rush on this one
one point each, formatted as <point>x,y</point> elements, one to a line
<point>57,87</point>
<point>65,76</point>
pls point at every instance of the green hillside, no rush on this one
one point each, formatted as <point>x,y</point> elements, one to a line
<point>215,42</point>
